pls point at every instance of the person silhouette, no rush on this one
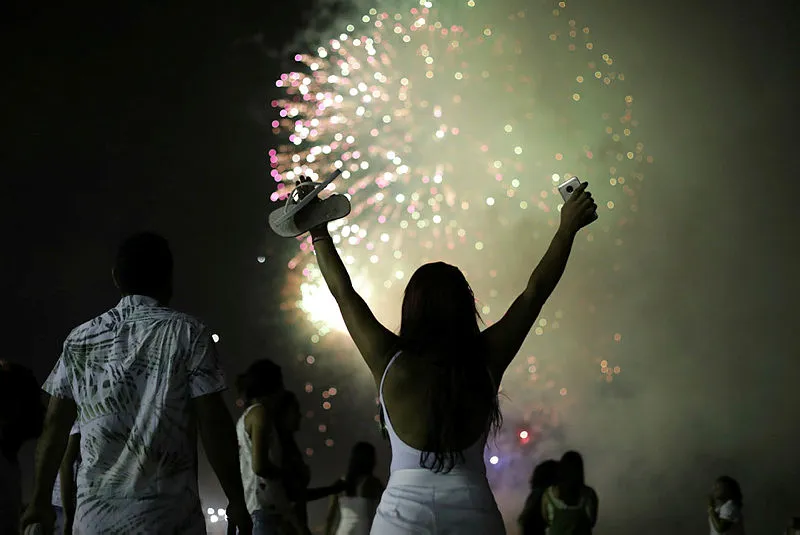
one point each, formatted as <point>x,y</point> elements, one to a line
<point>438,379</point>
<point>138,378</point>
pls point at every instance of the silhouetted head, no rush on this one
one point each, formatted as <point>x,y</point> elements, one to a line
<point>21,407</point>
<point>287,413</point>
<point>570,471</point>
<point>545,474</point>
<point>262,380</point>
<point>726,488</point>
<point>144,267</point>
<point>438,308</point>
<point>362,464</point>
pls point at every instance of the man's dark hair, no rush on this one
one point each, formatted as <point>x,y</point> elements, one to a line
<point>144,266</point>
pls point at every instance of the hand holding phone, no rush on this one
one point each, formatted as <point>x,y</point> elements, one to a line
<point>579,208</point>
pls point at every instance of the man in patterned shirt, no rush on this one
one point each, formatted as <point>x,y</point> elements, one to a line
<point>142,379</point>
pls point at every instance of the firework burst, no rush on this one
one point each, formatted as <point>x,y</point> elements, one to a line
<point>452,131</point>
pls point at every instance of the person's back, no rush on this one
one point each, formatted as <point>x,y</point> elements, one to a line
<point>133,372</point>
<point>531,521</point>
<point>570,506</point>
<point>141,379</point>
<point>569,519</point>
<point>438,379</point>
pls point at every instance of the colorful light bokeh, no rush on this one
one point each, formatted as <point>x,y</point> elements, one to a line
<point>452,131</point>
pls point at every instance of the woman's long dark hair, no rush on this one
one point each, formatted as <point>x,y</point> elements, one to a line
<point>440,324</point>
<point>362,463</point>
<point>732,490</point>
<point>571,479</point>
<point>262,378</point>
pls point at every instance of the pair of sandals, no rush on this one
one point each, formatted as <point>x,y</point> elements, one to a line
<point>304,209</point>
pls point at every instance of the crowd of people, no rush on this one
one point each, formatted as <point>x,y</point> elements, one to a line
<point>135,388</point>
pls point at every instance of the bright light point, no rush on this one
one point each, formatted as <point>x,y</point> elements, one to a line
<point>399,275</point>
<point>214,519</point>
<point>261,259</point>
<point>215,337</point>
<point>555,177</point>
<point>210,510</point>
<point>523,435</point>
<point>479,245</point>
<point>508,128</point>
<point>320,306</point>
<point>221,512</point>
<point>349,28</point>
<point>494,459</point>
<point>517,150</point>
<point>490,201</point>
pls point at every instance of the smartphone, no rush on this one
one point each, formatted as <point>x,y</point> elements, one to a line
<point>568,188</point>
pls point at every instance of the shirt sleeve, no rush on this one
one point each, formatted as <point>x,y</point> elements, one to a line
<point>205,371</point>
<point>729,512</point>
<point>59,382</point>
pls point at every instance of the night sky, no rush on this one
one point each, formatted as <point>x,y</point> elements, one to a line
<point>119,119</point>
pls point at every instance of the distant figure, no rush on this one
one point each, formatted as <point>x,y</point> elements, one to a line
<point>142,379</point>
<point>725,507</point>
<point>21,420</point>
<point>570,507</point>
<point>438,379</point>
<point>260,454</point>
<point>531,521</point>
<point>297,474</point>
<point>351,511</point>
<point>64,491</point>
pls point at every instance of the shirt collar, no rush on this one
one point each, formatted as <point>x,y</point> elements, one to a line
<point>137,300</point>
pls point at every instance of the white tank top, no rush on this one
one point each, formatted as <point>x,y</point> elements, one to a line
<point>260,493</point>
<point>355,515</point>
<point>405,457</point>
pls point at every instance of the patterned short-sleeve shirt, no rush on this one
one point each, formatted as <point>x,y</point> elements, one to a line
<point>132,373</point>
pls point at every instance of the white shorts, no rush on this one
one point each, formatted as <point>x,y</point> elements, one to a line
<point>421,502</point>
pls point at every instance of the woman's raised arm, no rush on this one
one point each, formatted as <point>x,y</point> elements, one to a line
<point>374,341</point>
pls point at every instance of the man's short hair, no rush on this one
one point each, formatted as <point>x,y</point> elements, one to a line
<point>144,266</point>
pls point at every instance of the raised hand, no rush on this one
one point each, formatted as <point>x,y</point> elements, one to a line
<point>579,210</point>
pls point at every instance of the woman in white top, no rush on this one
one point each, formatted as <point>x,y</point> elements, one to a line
<point>725,507</point>
<point>260,453</point>
<point>438,379</point>
<point>352,511</point>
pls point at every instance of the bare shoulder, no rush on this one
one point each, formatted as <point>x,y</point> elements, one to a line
<point>255,414</point>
